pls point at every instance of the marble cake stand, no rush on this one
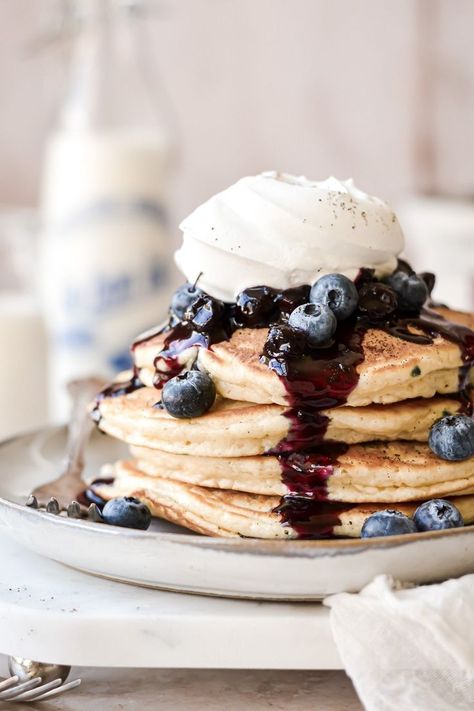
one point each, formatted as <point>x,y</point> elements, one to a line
<point>54,614</point>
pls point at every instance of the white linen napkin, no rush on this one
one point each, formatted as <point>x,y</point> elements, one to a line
<point>408,647</point>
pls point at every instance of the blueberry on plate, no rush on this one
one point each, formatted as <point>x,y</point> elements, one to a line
<point>183,298</point>
<point>188,395</point>
<point>437,514</point>
<point>128,512</point>
<point>205,313</point>
<point>452,438</point>
<point>336,291</point>
<point>411,290</point>
<point>316,321</point>
<point>387,523</point>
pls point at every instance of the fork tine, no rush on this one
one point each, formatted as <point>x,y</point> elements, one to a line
<point>35,693</point>
<point>8,682</point>
<point>57,692</point>
<point>16,690</point>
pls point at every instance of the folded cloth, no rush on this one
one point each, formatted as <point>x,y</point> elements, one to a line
<point>408,647</point>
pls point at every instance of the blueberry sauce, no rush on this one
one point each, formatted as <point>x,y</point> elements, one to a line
<point>88,495</point>
<point>167,363</point>
<point>181,338</point>
<point>307,473</point>
<point>322,380</point>
<point>121,388</point>
<point>306,509</point>
<point>432,325</point>
<point>309,518</point>
<point>316,383</point>
<point>115,390</point>
<point>150,334</point>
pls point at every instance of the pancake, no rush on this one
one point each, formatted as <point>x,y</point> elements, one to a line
<point>218,512</point>
<point>385,473</point>
<point>229,429</point>
<point>239,429</point>
<point>393,369</point>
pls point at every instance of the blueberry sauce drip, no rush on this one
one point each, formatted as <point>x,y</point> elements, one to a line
<point>115,390</point>
<point>150,334</point>
<point>181,338</point>
<point>322,380</point>
<point>432,325</point>
<point>310,518</point>
<point>121,388</point>
<point>307,473</point>
<point>88,495</point>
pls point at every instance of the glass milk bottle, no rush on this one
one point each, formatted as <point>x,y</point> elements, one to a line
<point>22,337</point>
<point>105,252</point>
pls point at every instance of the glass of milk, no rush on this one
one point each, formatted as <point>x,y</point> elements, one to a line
<point>23,384</point>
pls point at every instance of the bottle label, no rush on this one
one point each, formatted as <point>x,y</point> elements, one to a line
<point>110,261</point>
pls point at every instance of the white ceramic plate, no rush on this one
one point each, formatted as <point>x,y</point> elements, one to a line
<point>168,557</point>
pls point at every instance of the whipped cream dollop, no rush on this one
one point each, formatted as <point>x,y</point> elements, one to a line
<point>283,231</point>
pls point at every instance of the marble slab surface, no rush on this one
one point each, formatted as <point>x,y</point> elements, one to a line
<point>52,613</point>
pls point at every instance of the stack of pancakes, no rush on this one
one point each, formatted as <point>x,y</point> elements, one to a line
<point>222,474</point>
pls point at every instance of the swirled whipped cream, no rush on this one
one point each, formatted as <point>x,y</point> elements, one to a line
<point>284,231</point>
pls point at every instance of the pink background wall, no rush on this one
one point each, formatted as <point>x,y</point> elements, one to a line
<point>382,90</point>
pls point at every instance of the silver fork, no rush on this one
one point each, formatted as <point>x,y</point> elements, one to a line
<point>62,490</point>
<point>33,690</point>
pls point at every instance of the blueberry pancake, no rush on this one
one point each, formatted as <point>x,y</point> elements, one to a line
<point>305,383</point>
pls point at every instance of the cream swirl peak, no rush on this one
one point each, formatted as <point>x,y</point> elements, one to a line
<point>284,231</point>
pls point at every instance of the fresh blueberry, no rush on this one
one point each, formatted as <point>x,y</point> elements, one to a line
<point>411,290</point>
<point>316,321</point>
<point>128,512</point>
<point>387,523</point>
<point>377,300</point>
<point>336,291</point>
<point>189,395</point>
<point>254,306</point>
<point>437,514</point>
<point>183,298</point>
<point>205,313</point>
<point>284,341</point>
<point>452,438</point>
